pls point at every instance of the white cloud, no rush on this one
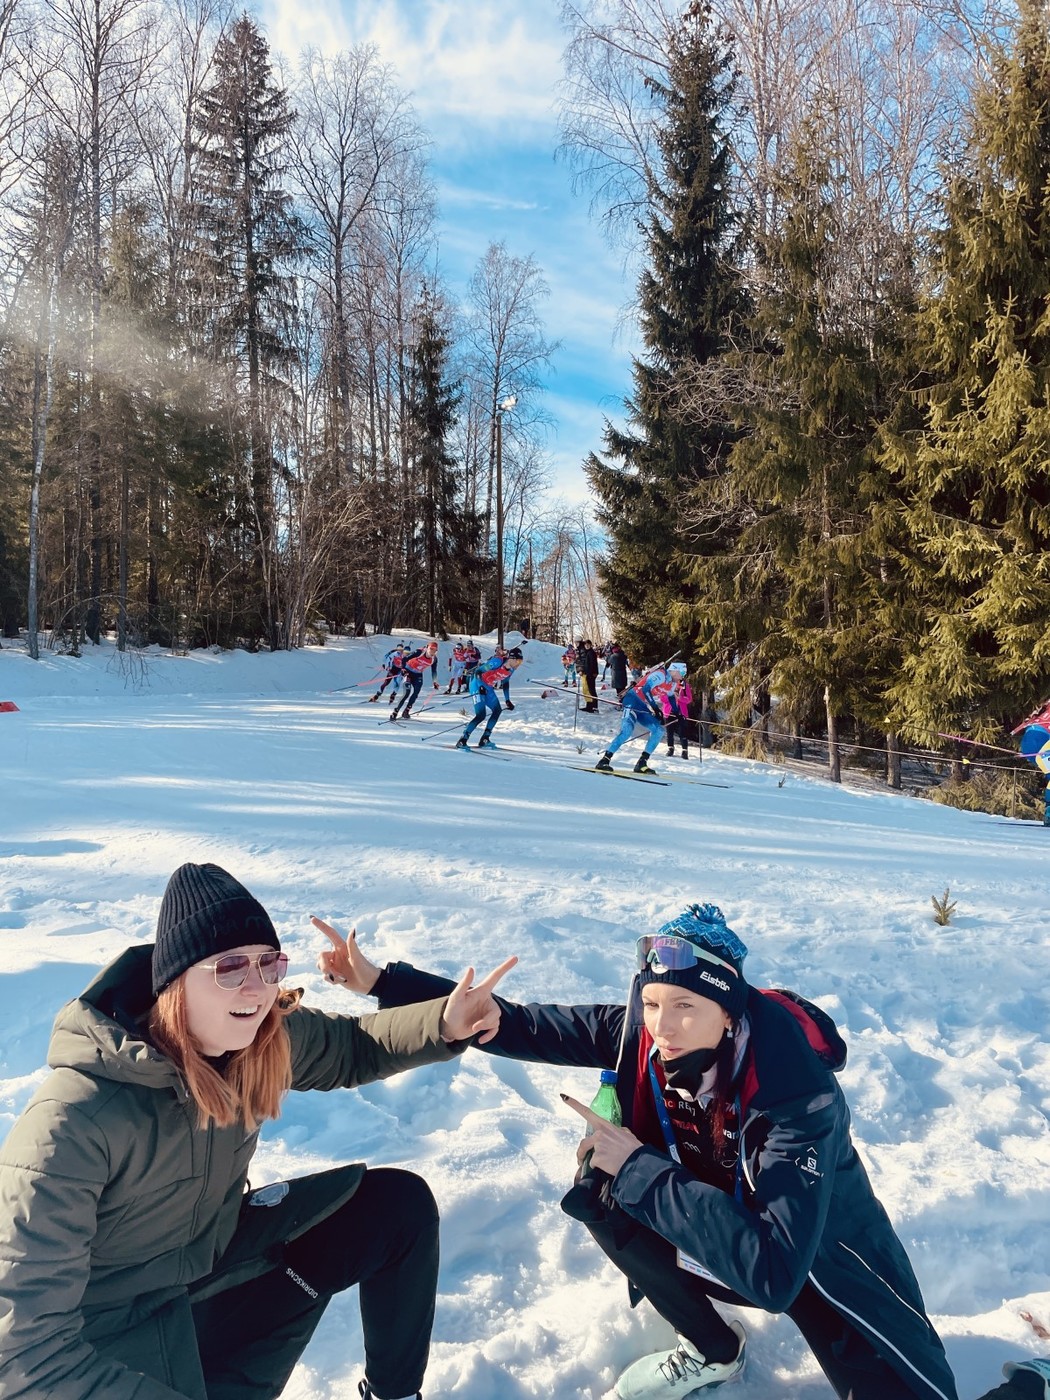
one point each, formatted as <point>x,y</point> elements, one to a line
<point>481,64</point>
<point>462,196</point>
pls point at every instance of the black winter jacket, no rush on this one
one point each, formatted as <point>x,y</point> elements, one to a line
<point>807,1213</point>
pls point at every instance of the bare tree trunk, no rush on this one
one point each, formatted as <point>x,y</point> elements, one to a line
<point>834,756</point>
<point>40,439</point>
<point>893,759</point>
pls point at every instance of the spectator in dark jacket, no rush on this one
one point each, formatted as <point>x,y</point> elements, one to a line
<point>587,666</point>
<point>734,1178</point>
<point>616,669</point>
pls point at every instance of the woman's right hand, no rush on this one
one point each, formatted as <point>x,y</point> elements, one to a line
<point>344,963</point>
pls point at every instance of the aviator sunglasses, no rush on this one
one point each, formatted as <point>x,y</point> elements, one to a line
<point>231,970</point>
<point>668,952</point>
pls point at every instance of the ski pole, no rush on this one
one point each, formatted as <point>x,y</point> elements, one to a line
<point>567,690</point>
<point>434,733</point>
<point>357,685</point>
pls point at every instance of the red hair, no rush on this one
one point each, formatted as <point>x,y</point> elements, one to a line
<point>255,1079</point>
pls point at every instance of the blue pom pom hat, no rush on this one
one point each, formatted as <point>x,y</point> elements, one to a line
<point>699,951</point>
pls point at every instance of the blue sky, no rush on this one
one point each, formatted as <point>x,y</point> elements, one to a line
<point>483,78</point>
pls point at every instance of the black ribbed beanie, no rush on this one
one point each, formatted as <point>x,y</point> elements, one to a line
<point>204,911</point>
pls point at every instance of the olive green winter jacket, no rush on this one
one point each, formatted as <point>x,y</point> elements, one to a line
<point>115,1206</point>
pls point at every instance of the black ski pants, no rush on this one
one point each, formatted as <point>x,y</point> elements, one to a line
<point>385,1239</point>
<point>851,1364</point>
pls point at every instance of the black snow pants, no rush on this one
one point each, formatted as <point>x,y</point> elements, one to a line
<point>385,1239</point>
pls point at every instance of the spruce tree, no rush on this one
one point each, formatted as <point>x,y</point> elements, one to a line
<point>443,533</point>
<point>251,238</point>
<point>976,474</point>
<point>791,607</point>
<point>688,294</point>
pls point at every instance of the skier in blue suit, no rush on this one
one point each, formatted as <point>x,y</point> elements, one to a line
<point>643,705</point>
<point>484,680</point>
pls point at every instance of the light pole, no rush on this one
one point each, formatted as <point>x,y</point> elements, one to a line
<point>504,406</point>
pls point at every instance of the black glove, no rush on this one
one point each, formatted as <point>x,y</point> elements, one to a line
<point>656,714</point>
<point>508,705</point>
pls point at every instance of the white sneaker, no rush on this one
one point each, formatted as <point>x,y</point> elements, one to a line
<point>682,1372</point>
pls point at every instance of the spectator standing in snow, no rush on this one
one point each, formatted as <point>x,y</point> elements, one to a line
<point>133,1265</point>
<point>568,660</point>
<point>676,710</point>
<point>734,1178</point>
<point>616,668</point>
<point>587,666</point>
<point>415,663</point>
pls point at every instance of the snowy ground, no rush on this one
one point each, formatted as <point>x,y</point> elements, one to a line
<point>112,775</point>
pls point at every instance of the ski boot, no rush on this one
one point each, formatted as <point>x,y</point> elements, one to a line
<point>485,742</point>
<point>461,742</point>
<point>642,766</point>
<point>685,753</point>
<point>391,698</point>
<point>670,753</point>
<point>604,764</point>
<point>373,698</point>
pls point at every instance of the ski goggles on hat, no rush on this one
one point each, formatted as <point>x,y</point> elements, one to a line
<point>667,952</point>
<point>231,970</point>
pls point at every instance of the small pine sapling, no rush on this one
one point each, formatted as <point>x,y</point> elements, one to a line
<point>943,908</point>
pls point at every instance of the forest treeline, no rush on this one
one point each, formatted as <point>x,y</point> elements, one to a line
<point>237,405</point>
<point>832,489</point>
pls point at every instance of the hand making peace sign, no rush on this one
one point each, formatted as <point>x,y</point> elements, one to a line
<point>469,1011</point>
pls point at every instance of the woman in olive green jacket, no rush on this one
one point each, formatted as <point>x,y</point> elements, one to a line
<point>134,1263</point>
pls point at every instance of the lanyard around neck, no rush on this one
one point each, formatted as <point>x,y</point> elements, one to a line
<point>667,1128</point>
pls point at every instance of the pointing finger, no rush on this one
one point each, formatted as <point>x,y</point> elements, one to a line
<point>495,975</point>
<point>591,1117</point>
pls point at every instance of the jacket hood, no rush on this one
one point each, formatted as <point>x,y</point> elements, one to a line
<point>96,1032</point>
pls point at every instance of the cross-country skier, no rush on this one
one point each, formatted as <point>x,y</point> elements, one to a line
<point>499,655</point>
<point>642,705</point>
<point>457,665</point>
<point>416,662</point>
<point>393,662</point>
<point>483,683</point>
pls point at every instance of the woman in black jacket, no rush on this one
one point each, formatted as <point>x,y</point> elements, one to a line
<point>733,1178</point>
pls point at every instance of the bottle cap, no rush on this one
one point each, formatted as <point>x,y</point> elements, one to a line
<point>608,1076</point>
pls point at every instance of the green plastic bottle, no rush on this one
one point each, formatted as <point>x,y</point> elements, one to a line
<point>605,1102</point>
<point>583,1200</point>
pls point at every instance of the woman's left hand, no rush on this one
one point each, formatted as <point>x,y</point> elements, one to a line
<point>472,1010</point>
<point>610,1145</point>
